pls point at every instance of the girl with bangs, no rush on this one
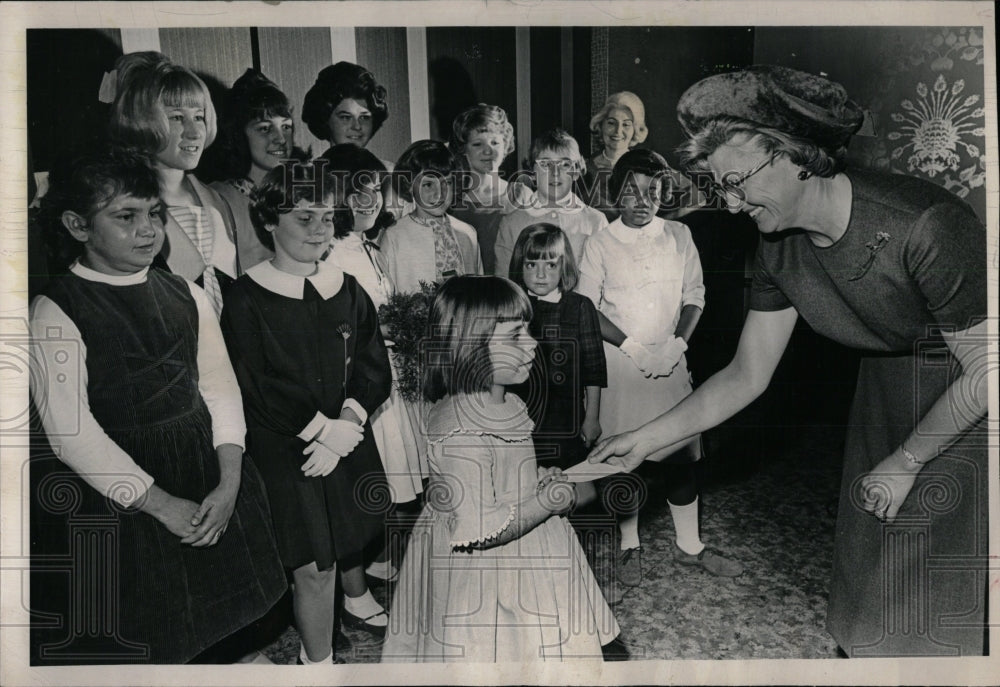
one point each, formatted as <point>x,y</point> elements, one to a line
<point>492,573</point>
<point>256,132</point>
<point>563,392</point>
<point>164,111</point>
<point>428,245</point>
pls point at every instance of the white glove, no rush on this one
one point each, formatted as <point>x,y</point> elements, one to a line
<point>668,355</point>
<point>322,460</point>
<point>340,436</point>
<point>640,355</point>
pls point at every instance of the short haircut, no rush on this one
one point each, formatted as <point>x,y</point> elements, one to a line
<point>544,241</point>
<point>86,185</point>
<point>147,83</point>
<point>634,162</point>
<point>465,311</point>
<point>352,167</point>
<point>333,85</point>
<point>481,118</point>
<point>558,141</point>
<point>812,157</point>
<point>421,157</point>
<point>283,187</point>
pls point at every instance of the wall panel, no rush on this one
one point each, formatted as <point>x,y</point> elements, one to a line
<point>291,57</point>
<point>215,54</point>
<point>383,52</point>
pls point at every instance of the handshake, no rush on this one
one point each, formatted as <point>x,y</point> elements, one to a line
<point>658,361</point>
<point>336,439</point>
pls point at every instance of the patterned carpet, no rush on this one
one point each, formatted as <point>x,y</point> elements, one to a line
<point>777,521</point>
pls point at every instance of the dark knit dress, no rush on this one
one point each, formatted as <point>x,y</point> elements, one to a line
<point>911,263</point>
<point>294,357</point>
<point>569,358</point>
<point>172,600</point>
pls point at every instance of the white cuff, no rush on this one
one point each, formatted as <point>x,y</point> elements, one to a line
<point>314,427</point>
<point>351,404</point>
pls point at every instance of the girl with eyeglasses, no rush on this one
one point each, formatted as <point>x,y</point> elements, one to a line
<point>557,164</point>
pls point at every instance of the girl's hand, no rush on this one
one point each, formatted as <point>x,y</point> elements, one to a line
<point>341,436</point>
<point>625,450</point>
<point>546,475</point>
<point>668,355</point>
<point>322,460</point>
<point>886,487</point>
<point>212,517</point>
<point>640,356</point>
<point>173,512</point>
<point>555,492</point>
<point>590,431</point>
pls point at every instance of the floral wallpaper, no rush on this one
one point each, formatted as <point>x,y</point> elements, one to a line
<point>927,100</point>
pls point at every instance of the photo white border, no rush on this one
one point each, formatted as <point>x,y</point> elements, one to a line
<point>15,17</point>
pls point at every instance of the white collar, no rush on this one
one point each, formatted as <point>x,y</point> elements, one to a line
<point>114,279</point>
<point>553,296</point>
<point>569,204</point>
<point>327,280</point>
<point>630,235</point>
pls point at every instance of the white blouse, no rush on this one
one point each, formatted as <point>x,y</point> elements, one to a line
<point>642,278</point>
<point>73,432</point>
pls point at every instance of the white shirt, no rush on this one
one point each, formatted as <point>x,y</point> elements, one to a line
<point>73,432</point>
<point>578,221</point>
<point>350,255</point>
<point>642,278</point>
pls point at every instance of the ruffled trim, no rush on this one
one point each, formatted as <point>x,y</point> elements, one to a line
<point>463,415</point>
<point>485,539</point>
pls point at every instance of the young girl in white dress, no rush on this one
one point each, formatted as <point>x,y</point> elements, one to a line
<point>644,276</point>
<point>492,572</point>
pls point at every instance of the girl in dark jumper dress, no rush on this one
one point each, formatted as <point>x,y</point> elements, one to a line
<point>146,413</point>
<point>312,365</point>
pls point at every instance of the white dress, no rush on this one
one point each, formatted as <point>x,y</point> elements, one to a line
<point>403,456</point>
<point>641,279</point>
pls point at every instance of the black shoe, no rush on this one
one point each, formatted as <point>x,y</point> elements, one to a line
<point>615,650</point>
<point>357,623</point>
<point>336,660</point>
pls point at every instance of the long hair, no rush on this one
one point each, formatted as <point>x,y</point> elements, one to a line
<point>464,313</point>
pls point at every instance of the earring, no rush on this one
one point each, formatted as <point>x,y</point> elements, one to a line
<point>803,175</point>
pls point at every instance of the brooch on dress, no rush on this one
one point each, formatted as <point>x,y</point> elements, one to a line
<point>345,331</point>
<point>881,239</point>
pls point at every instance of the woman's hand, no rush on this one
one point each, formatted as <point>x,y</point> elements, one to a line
<point>590,431</point>
<point>625,450</point>
<point>212,517</point>
<point>886,487</point>
<point>322,460</point>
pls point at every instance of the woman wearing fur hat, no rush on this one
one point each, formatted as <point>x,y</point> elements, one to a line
<point>892,265</point>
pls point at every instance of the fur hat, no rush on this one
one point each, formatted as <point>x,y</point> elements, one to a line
<point>630,101</point>
<point>793,102</point>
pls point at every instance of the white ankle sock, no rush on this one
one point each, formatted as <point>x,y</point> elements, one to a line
<point>365,606</point>
<point>629,526</point>
<point>304,657</point>
<point>686,526</point>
